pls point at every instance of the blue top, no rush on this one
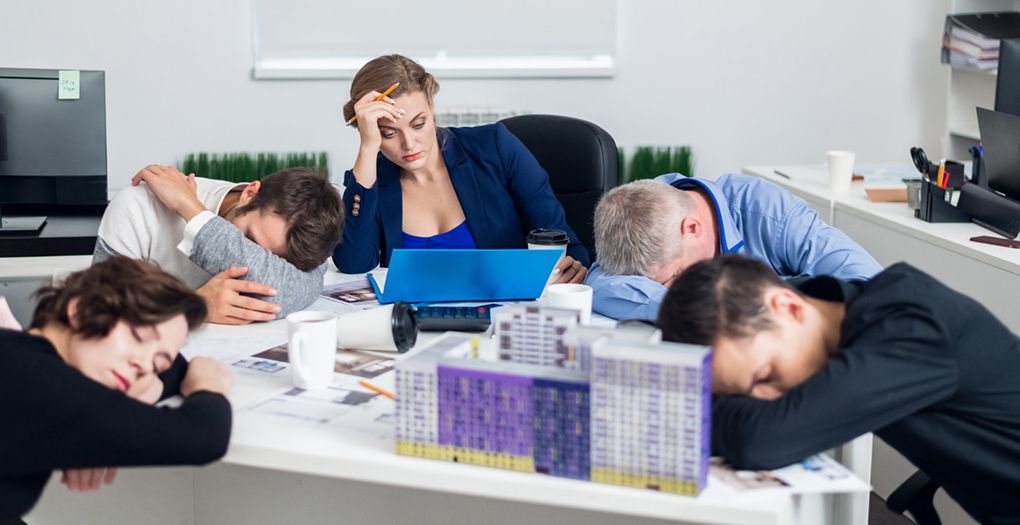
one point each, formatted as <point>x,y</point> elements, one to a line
<point>502,189</point>
<point>757,219</point>
<point>457,238</point>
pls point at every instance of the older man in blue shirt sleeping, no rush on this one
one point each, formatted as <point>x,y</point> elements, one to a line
<point>648,232</point>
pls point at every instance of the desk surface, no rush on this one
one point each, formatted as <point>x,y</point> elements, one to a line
<point>953,236</point>
<point>61,235</point>
<point>263,442</point>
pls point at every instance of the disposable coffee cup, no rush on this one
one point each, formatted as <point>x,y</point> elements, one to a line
<point>841,169</point>
<point>548,239</point>
<point>571,297</point>
<point>389,327</point>
<point>311,348</point>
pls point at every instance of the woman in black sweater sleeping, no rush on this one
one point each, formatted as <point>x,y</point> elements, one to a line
<point>79,384</point>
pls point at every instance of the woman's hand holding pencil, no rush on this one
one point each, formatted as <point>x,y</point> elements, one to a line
<point>368,110</point>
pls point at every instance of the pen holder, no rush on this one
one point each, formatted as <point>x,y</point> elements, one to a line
<point>935,205</point>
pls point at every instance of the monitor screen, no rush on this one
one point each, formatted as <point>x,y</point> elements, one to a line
<point>52,151</point>
<point>1007,85</point>
<point>1000,135</point>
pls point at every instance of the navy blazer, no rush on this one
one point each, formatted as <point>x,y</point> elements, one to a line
<point>503,190</point>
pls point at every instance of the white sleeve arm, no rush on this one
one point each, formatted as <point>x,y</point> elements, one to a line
<point>191,230</point>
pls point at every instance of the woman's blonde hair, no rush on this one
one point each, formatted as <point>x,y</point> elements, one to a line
<point>380,73</point>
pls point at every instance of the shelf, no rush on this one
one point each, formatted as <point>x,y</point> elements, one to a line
<point>967,133</point>
<point>983,72</point>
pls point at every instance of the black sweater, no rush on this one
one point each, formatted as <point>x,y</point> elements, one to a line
<point>56,418</point>
<point>929,370</point>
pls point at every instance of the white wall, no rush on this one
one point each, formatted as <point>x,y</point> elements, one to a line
<point>742,81</point>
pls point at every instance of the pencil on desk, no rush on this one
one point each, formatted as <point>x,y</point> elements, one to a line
<point>781,174</point>
<point>377,99</point>
<point>377,390</point>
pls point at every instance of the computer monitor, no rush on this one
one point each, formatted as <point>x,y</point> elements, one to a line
<point>1007,85</point>
<point>52,151</point>
<point>1000,135</point>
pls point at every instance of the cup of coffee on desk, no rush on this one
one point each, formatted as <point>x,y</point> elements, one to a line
<point>311,348</point>
<point>571,297</point>
<point>388,327</point>
<point>548,239</point>
<point>841,169</point>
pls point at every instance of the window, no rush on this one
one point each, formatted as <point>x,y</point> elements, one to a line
<point>451,38</point>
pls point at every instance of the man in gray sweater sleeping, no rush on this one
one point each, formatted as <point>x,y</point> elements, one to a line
<point>253,251</point>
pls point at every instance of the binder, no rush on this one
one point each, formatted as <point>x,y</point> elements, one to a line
<point>432,276</point>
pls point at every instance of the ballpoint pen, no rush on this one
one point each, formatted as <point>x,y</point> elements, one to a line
<point>377,99</point>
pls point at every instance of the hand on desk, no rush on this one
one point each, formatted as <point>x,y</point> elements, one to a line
<point>226,305</point>
<point>87,479</point>
<point>570,271</point>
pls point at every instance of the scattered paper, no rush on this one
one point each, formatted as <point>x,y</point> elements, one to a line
<point>344,410</point>
<point>350,362</point>
<point>353,293</point>
<point>250,366</point>
<point>815,474</point>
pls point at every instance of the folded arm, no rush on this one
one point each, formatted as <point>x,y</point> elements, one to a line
<point>812,247</point>
<point>218,246</point>
<point>88,425</point>
<point>624,296</point>
<point>885,375</point>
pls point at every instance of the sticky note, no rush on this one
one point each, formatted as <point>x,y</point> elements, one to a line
<point>68,84</point>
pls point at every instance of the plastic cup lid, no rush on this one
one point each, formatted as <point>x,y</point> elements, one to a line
<point>405,328</point>
<point>548,236</point>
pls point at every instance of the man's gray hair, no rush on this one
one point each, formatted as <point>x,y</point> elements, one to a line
<point>637,227</point>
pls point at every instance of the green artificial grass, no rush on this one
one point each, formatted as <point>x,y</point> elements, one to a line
<point>248,167</point>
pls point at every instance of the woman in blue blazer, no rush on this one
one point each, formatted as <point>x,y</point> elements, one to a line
<point>418,186</point>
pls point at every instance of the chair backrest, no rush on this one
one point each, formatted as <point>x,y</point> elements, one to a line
<point>582,162</point>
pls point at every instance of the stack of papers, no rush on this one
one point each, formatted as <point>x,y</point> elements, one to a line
<point>885,183</point>
<point>971,41</point>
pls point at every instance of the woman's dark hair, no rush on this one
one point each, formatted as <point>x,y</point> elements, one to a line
<point>119,288</point>
<point>382,72</point>
<point>724,297</point>
<point>312,209</point>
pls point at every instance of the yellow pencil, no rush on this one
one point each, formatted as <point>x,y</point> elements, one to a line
<point>377,99</point>
<point>377,390</point>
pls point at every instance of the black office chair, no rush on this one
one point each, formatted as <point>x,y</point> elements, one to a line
<point>582,162</point>
<point>916,495</point>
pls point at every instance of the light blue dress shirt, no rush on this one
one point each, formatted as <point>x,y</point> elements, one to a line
<point>757,219</point>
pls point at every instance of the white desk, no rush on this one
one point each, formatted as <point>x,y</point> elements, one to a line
<point>277,474</point>
<point>21,276</point>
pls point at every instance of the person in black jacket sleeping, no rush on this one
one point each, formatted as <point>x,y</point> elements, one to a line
<point>78,386</point>
<point>800,369</point>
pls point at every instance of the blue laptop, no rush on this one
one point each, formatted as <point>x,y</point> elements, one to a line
<point>430,276</point>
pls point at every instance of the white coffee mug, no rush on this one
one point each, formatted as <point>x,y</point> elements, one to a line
<point>312,348</point>
<point>841,169</point>
<point>572,297</point>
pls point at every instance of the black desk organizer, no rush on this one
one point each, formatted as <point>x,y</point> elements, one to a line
<point>934,206</point>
